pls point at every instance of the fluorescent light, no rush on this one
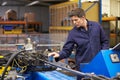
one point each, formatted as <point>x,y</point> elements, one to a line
<point>33,3</point>
<point>4,3</point>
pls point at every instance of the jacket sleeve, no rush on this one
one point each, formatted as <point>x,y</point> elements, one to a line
<point>67,48</point>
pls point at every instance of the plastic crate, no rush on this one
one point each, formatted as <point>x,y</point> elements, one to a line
<point>9,27</point>
<point>8,32</point>
<point>17,31</point>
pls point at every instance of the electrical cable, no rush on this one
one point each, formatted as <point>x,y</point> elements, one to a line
<point>24,68</point>
<point>9,61</point>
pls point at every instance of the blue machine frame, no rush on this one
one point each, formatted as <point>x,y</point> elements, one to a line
<point>48,75</point>
<point>106,63</point>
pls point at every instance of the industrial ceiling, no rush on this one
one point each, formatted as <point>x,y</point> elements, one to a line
<point>30,2</point>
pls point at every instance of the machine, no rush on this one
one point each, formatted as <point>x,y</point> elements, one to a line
<point>106,63</point>
<point>30,63</point>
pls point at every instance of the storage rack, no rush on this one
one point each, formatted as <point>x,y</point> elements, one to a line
<point>24,24</point>
<point>59,21</point>
<point>106,24</point>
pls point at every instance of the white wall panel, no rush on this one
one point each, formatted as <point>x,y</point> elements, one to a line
<point>114,7</point>
<point>106,7</point>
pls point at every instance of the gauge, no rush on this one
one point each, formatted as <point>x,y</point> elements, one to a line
<point>114,57</point>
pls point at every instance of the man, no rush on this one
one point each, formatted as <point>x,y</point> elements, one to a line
<point>88,36</point>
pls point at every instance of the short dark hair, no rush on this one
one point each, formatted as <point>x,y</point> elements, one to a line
<point>77,12</point>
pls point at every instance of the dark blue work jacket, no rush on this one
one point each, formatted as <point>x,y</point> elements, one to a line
<point>88,43</point>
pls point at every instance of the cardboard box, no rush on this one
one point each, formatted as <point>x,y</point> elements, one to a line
<point>30,17</point>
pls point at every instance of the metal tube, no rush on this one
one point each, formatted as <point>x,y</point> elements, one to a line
<point>74,71</point>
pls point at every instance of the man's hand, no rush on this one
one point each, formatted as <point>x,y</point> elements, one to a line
<point>54,54</point>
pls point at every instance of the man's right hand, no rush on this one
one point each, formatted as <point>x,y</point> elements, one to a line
<point>54,54</point>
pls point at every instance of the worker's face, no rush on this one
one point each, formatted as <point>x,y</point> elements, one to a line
<point>78,22</point>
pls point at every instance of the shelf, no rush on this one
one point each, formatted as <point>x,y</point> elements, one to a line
<point>19,22</point>
<point>60,28</point>
<point>106,24</point>
<point>110,18</point>
<point>24,23</point>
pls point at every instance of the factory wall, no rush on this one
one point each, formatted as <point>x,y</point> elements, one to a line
<point>41,14</point>
<point>111,7</point>
<point>106,7</point>
<point>115,7</point>
<point>115,10</point>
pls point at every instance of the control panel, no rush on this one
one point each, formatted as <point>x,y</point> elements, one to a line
<point>115,57</point>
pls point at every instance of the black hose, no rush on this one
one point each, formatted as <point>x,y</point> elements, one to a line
<point>9,61</point>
